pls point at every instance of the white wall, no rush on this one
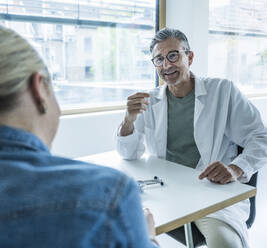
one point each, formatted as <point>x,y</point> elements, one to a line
<point>81,135</point>
<point>261,104</point>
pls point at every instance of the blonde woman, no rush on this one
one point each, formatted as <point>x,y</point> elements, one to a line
<point>49,201</point>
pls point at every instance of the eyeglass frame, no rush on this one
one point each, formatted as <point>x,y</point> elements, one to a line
<point>178,53</point>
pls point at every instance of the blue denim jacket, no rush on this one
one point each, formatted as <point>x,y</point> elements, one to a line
<point>49,201</point>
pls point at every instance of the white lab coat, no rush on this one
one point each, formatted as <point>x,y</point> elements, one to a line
<point>223,117</point>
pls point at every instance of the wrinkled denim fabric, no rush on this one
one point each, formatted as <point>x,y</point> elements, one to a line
<point>49,201</point>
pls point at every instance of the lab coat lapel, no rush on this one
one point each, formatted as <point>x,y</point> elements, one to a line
<point>200,91</point>
<point>160,114</point>
<point>202,136</point>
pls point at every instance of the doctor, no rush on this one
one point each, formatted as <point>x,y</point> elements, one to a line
<point>197,122</point>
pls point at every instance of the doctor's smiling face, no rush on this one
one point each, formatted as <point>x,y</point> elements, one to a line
<point>172,61</point>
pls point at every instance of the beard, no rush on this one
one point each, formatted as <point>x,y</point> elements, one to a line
<point>175,76</point>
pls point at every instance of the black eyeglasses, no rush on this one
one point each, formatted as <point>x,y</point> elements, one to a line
<point>172,57</point>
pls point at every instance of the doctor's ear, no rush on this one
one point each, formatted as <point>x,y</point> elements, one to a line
<point>190,57</point>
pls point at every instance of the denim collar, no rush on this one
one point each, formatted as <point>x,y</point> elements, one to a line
<point>18,139</point>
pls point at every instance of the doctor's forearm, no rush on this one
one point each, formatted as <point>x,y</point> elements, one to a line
<point>127,128</point>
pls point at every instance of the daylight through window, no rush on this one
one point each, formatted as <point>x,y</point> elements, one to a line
<point>238,43</point>
<point>97,51</point>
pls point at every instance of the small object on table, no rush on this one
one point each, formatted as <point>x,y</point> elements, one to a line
<point>143,183</point>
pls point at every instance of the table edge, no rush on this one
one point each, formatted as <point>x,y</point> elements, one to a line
<point>204,212</point>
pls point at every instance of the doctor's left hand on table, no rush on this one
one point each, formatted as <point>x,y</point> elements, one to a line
<point>219,173</point>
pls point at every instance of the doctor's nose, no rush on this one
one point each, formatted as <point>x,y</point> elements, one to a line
<point>166,63</point>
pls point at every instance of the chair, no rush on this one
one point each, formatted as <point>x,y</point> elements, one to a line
<point>198,238</point>
<point>252,214</point>
<point>252,182</point>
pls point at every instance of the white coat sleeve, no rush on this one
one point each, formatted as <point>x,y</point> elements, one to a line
<point>245,127</point>
<point>132,146</point>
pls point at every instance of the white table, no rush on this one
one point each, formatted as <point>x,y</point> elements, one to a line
<point>183,198</point>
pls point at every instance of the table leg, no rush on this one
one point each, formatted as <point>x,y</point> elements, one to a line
<point>188,235</point>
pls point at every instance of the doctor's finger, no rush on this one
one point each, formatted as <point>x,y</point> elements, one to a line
<point>138,95</point>
<point>220,169</point>
<point>135,107</point>
<point>137,101</point>
<point>226,179</point>
<point>208,170</point>
<point>214,173</point>
<point>220,176</point>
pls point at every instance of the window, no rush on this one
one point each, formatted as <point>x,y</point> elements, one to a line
<point>97,51</point>
<point>238,43</point>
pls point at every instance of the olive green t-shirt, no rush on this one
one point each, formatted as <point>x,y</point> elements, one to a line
<point>181,146</point>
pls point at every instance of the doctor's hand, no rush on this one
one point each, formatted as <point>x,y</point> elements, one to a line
<point>136,104</point>
<point>219,173</point>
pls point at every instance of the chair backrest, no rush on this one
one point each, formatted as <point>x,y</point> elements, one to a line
<point>252,214</point>
<point>252,182</point>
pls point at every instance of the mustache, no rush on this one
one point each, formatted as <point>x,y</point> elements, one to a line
<point>169,71</point>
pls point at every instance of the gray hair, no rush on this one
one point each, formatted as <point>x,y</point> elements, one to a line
<point>166,33</point>
<point>18,62</point>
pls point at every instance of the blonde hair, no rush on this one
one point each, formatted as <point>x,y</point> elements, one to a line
<point>18,62</point>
